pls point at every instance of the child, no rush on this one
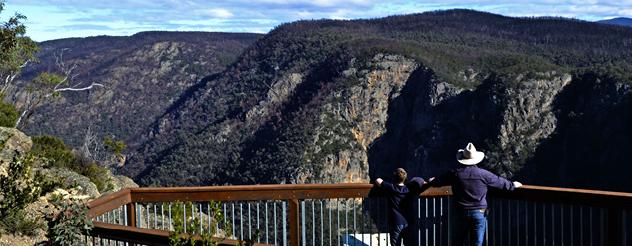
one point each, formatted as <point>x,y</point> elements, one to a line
<point>398,196</point>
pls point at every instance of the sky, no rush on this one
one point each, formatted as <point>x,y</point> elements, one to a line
<point>54,19</point>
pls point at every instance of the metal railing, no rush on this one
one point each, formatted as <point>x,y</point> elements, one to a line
<point>355,214</point>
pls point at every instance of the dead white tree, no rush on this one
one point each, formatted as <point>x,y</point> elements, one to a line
<point>10,76</point>
<point>48,85</point>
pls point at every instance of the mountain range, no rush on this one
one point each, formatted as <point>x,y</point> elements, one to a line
<point>622,21</point>
<point>349,100</point>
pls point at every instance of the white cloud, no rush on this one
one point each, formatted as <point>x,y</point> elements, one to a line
<point>216,12</point>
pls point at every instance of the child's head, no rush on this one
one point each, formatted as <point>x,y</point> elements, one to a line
<point>399,176</point>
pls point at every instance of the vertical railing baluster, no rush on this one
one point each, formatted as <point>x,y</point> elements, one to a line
<point>155,217</point>
<point>249,223</point>
<point>434,222</point>
<point>338,221</point>
<point>426,224</point>
<point>329,208</point>
<point>192,217</point>
<point>346,208</point>
<point>184,214</point>
<point>241,221</point>
<point>526,223</point>
<point>303,229</point>
<point>162,214</point>
<point>509,224</point>
<point>125,213</point>
<point>572,214</point>
<point>226,218</point>
<point>561,224</point>
<point>441,224</point>
<point>581,225</point>
<point>147,206</point>
<point>322,231</point>
<point>284,216</point>
<point>266,227</point>
<point>232,217</point>
<point>535,224</point>
<point>553,224</point>
<point>170,218</point>
<point>313,223</point>
<point>258,227</point>
<point>378,209</point>
<point>201,231</point>
<point>590,225</point>
<point>275,222</point>
<point>418,220</point>
<point>210,217</point>
<point>355,230</point>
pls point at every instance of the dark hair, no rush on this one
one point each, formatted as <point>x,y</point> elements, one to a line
<point>399,175</point>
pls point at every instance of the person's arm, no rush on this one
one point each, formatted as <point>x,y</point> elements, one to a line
<point>495,181</point>
<point>385,185</point>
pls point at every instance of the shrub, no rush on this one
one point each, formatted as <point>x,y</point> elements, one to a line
<point>178,238</point>
<point>19,188</point>
<point>53,150</point>
<point>92,170</point>
<point>57,154</point>
<point>17,222</point>
<point>69,223</point>
<point>8,115</point>
<point>114,146</point>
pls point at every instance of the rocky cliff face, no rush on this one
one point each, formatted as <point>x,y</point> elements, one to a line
<point>346,101</point>
<point>142,76</point>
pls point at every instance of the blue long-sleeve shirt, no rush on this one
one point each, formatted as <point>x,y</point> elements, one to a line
<point>397,198</point>
<point>470,184</point>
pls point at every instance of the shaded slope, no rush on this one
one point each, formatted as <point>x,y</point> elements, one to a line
<point>143,74</point>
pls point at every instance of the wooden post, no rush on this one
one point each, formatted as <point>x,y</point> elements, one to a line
<point>295,230</point>
<point>131,216</point>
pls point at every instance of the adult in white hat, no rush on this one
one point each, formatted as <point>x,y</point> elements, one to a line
<point>469,188</point>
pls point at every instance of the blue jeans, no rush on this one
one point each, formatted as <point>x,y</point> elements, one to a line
<point>472,223</point>
<point>396,234</point>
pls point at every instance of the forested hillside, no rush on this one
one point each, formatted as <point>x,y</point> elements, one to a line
<point>342,101</point>
<point>142,75</point>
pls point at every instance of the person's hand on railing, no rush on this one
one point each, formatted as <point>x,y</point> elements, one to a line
<point>379,181</point>
<point>517,184</point>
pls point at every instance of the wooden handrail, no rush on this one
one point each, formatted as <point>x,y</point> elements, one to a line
<point>263,192</point>
<point>606,199</point>
<point>109,202</point>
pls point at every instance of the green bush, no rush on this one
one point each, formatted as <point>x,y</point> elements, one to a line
<point>8,115</point>
<point>114,146</point>
<point>17,222</point>
<point>97,174</point>
<point>178,238</point>
<point>53,150</point>
<point>20,187</point>
<point>57,154</point>
<point>67,226</point>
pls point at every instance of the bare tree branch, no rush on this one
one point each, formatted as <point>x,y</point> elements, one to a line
<point>79,89</point>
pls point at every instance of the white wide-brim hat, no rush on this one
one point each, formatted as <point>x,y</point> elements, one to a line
<point>469,155</point>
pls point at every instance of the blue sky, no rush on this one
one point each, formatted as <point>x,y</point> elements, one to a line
<point>53,19</point>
